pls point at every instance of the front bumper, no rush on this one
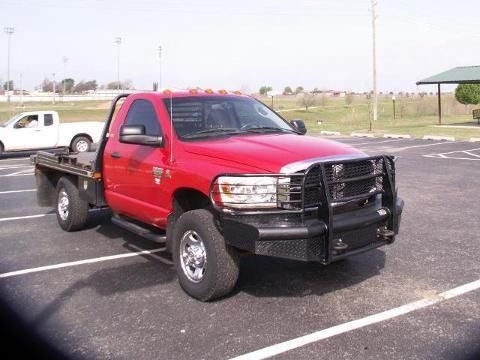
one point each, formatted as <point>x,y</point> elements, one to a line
<point>313,239</point>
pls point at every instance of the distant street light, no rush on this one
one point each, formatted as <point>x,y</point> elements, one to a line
<point>160,68</point>
<point>9,31</point>
<point>54,87</point>
<point>118,41</point>
<point>65,60</point>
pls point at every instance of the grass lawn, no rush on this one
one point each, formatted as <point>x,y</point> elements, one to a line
<point>415,116</point>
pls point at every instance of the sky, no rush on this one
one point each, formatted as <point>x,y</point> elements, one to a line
<point>239,44</point>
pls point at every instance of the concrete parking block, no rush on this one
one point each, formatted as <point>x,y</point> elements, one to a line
<point>328,133</point>
<point>434,137</point>
<point>397,136</point>
<point>368,135</point>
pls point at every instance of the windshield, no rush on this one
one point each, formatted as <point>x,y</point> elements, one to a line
<point>202,117</point>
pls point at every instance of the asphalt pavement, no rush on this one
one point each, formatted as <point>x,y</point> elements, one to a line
<point>105,293</point>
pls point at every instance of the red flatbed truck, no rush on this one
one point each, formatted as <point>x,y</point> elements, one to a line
<point>217,174</point>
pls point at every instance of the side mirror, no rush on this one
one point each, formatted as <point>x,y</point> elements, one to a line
<point>135,134</point>
<point>299,125</point>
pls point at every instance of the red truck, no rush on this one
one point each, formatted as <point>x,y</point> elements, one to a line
<point>214,175</point>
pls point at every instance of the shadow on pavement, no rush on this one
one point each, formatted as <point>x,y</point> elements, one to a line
<point>269,277</point>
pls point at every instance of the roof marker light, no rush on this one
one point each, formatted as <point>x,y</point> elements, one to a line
<point>237,92</point>
<point>167,92</point>
<point>223,92</point>
<point>209,91</point>
<point>193,91</point>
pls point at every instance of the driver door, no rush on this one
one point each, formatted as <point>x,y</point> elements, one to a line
<point>25,133</point>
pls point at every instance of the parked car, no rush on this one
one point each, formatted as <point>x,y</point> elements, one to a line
<point>42,129</point>
<point>214,175</point>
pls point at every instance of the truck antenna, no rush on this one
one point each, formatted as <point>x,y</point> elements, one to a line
<point>171,129</point>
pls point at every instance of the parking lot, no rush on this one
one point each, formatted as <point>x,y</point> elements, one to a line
<point>104,293</point>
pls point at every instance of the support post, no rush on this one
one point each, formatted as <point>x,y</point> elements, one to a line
<point>439,105</point>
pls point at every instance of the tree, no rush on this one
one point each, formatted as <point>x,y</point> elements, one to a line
<point>125,85</point>
<point>468,94</point>
<point>287,91</point>
<point>47,85</point>
<point>68,83</point>
<point>84,86</point>
<point>307,100</point>
<point>9,85</point>
<point>264,90</point>
<point>299,90</point>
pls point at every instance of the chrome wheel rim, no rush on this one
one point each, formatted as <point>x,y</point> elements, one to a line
<point>63,205</point>
<point>193,256</point>
<point>82,146</point>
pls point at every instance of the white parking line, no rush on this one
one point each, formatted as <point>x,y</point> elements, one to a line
<point>16,191</point>
<point>425,145</point>
<point>2,167</point>
<point>357,324</point>
<point>451,155</point>
<point>379,142</point>
<point>24,217</point>
<point>18,173</point>
<point>80,262</point>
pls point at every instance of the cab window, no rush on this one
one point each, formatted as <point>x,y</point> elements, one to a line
<point>48,120</point>
<point>27,122</point>
<point>142,112</point>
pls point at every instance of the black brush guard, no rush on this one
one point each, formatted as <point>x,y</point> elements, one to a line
<point>332,210</point>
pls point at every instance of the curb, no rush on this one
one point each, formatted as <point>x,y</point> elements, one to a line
<point>433,137</point>
<point>329,132</point>
<point>474,139</point>
<point>397,136</point>
<point>368,135</point>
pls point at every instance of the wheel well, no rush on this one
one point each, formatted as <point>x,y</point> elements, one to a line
<point>2,147</point>
<point>189,199</point>
<point>80,135</point>
<point>185,200</point>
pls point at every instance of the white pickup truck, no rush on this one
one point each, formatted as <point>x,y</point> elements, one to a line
<point>42,129</point>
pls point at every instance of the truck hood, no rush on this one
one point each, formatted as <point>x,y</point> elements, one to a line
<point>272,152</point>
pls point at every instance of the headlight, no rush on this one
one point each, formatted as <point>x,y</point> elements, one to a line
<point>247,192</point>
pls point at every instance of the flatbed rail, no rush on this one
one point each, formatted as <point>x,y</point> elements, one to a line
<point>75,164</point>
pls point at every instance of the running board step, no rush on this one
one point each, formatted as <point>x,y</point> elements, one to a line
<point>138,230</point>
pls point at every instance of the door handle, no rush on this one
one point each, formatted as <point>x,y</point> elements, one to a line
<point>116,155</point>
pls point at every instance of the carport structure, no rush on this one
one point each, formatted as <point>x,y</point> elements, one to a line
<point>458,75</point>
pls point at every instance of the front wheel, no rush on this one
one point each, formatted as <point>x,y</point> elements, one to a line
<point>72,211</point>
<point>207,268</point>
<point>81,144</point>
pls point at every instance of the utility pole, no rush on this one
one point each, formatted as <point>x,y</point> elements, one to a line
<point>9,31</point>
<point>160,68</point>
<point>54,87</point>
<point>21,89</point>
<point>65,60</point>
<point>118,41</point>
<point>374,43</point>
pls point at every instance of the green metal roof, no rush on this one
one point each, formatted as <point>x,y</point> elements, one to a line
<point>458,75</point>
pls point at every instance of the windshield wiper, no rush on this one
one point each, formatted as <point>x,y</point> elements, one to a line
<point>223,131</point>
<point>271,129</point>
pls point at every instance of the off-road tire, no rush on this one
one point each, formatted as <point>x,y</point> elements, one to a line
<point>223,262</point>
<point>77,207</point>
<point>78,140</point>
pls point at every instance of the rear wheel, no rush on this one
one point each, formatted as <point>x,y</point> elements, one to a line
<point>81,144</point>
<point>72,211</point>
<point>207,267</point>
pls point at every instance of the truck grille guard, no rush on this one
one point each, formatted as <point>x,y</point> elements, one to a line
<point>327,191</point>
<point>328,187</point>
